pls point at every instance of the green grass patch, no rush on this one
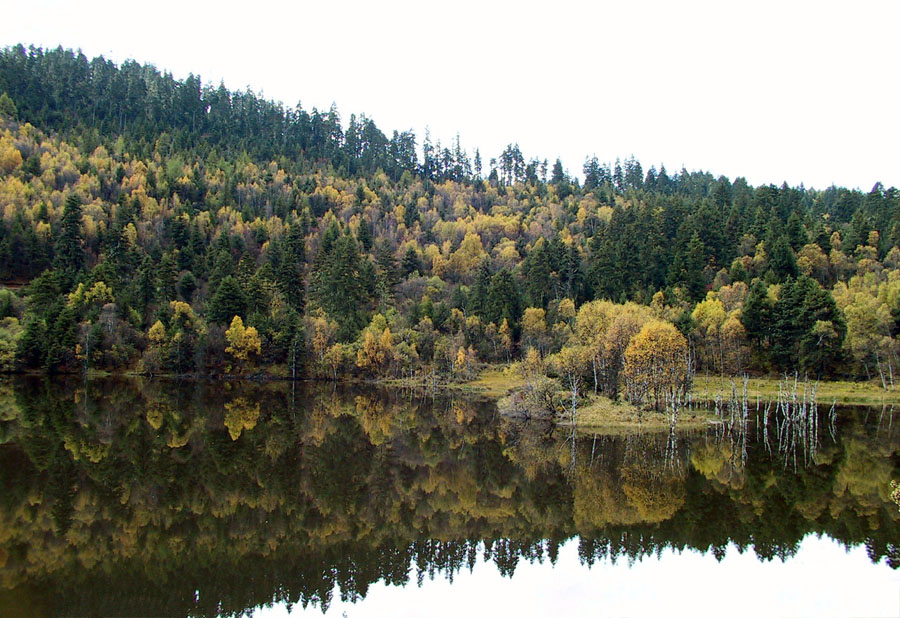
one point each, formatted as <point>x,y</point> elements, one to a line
<point>602,415</point>
<point>767,389</point>
<point>495,381</point>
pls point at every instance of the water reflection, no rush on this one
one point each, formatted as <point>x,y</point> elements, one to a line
<point>162,498</point>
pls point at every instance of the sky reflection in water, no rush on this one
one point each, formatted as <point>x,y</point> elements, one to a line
<point>822,579</point>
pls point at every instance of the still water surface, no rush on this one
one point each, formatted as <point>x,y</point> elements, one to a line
<point>133,498</point>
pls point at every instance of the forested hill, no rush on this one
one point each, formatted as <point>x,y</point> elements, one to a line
<point>141,214</point>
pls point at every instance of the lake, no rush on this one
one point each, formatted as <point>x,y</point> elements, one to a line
<point>167,498</point>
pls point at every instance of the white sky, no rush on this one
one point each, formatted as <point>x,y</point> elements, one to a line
<point>803,92</point>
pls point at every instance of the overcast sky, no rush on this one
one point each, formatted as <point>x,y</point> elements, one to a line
<point>803,92</point>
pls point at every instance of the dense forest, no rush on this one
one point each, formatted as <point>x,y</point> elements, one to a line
<point>170,226</point>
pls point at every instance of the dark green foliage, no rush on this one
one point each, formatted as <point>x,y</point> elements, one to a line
<point>186,286</point>
<point>167,277</point>
<point>340,287</point>
<point>479,295</point>
<point>801,304</point>
<point>287,272</point>
<point>687,268</point>
<point>31,350</point>
<point>782,262</point>
<point>228,301</point>
<point>296,245</point>
<point>410,263</point>
<point>757,315</point>
<point>332,233</point>
<point>44,291</point>
<point>61,338</point>
<point>69,250</point>
<point>142,291</point>
<point>364,234</point>
<point>388,272</point>
<point>503,302</point>
<point>8,107</point>
<point>222,266</point>
<point>802,331</point>
<point>537,273</point>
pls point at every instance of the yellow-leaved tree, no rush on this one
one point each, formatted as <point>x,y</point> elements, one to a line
<point>657,364</point>
<point>710,316</point>
<point>534,329</point>
<point>376,351</point>
<point>571,363</point>
<point>10,158</point>
<point>242,341</point>
<point>154,358</point>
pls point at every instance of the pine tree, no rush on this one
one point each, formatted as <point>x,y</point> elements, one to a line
<point>756,315</point>
<point>228,301</point>
<point>339,287</point>
<point>503,300</point>
<point>478,297</point>
<point>364,235</point>
<point>69,250</point>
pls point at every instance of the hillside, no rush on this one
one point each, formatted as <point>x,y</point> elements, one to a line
<point>141,214</point>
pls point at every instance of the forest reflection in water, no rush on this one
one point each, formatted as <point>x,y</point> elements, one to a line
<point>125,497</point>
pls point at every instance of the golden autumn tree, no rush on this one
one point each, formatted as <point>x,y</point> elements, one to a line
<point>657,364</point>
<point>571,363</point>
<point>710,317</point>
<point>504,335</point>
<point>334,359</point>
<point>155,356</point>
<point>534,328</point>
<point>242,341</point>
<point>10,158</point>
<point>376,352</point>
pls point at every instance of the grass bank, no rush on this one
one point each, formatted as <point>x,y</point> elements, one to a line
<point>599,414</point>
<point>767,389</point>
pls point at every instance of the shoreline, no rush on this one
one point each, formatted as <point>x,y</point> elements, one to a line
<point>595,413</point>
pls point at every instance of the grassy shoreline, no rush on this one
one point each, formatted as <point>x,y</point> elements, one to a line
<point>767,389</point>
<point>596,413</point>
<point>599,413</point>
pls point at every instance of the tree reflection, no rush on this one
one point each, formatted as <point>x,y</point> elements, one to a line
<point>210,499</point>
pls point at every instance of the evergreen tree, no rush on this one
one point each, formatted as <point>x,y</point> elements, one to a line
<point>757,315</point>
<point>31,350</point>
<point>807,327</point>
<point>478,298</point>
<point>69,250</point>
<point>288,277</point>
<point>410,263</point>
<point>687,268</point>
<point>61,338</point>
<point>504,302</point>
<point>388,272</point>
<point>537,272</point>
<point>782,262</point>
<point>339,287</point>
<point>364,235</point>
<point>228,301</point>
